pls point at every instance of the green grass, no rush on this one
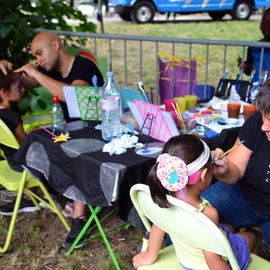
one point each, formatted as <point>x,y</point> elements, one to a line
<point>224,30</point>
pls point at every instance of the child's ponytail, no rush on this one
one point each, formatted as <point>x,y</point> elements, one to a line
<point>158,192</point>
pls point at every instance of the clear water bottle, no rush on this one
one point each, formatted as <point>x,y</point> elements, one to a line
<point>111,109</point>
<point>57,116</point>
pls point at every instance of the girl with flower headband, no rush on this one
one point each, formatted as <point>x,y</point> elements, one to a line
<point>11,92</point>
<point>184,170</point>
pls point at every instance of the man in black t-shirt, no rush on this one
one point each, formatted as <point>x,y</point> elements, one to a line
<point>242,198</point>
<point>57,68</point>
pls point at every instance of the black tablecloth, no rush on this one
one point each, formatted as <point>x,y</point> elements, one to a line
<point>91,177</point>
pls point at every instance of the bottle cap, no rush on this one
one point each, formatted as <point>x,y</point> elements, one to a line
<point>55,99</point>
<point>110,74</point>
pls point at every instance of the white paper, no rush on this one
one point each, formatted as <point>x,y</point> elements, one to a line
<point>71,101</point>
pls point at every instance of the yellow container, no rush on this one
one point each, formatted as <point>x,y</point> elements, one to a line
<point>191,102</point>
<point>182,103</point>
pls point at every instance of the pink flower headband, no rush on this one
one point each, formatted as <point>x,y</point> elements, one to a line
<point>174,174</point>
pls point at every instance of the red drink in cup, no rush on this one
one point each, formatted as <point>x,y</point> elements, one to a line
<point>233,110</point>
<point>249,110</point>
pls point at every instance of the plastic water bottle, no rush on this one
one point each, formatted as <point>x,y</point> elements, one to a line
<point>111,109</point>
<point>57,116</point>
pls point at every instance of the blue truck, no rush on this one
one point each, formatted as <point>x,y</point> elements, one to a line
<point>143,11</point>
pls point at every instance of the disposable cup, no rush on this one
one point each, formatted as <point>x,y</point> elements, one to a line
<point>182,103</point>
<point>249,110</point>
<point>169,103</point>
<point>191,101</point>
<point>233,110</point>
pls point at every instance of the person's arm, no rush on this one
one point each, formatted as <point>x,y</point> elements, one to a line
<point>20,133</point>
<point>53,86</point>
<point>154,244</point>
<point>215,261</point>
<point>5,66</point>
<point>232,167</point>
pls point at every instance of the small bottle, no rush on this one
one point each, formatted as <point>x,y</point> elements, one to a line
<point>57,116</point>
<point>111,109</point>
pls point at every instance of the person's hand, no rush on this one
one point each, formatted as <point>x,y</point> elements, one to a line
<point>143,258</point>
<point>220,165</point>
<point>28,70</point>
<point>243,64</point>
<point>5,66</point>
<point>240,62</point>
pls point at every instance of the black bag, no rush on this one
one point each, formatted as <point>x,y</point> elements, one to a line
<point>224,88</point>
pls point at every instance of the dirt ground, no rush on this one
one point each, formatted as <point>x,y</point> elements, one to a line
<point>38,238</point>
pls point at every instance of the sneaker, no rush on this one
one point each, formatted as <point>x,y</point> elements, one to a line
<point>26,206</point>
<point>68,211</point>
<point>76,227</point>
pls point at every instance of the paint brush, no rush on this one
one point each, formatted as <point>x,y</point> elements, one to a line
<point>250,85</point>
<point>179,115</point>
<point>224,77</point>
<point>48,131</point>
<point>228,151</point>
<point>238,79</point>
<point>142,90</point>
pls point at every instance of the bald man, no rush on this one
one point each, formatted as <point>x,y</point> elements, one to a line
<point>57,68</point>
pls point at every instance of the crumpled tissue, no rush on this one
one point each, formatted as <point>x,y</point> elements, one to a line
<point>120,145</point>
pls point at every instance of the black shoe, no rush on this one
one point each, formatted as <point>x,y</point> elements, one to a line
<point>26,206</point>
<point>76,227</point>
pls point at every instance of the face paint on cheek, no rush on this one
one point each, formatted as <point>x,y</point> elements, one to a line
<point>193,179</point>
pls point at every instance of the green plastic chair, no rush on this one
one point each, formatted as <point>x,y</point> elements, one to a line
<point>192,227</point>
<point>22,182</point>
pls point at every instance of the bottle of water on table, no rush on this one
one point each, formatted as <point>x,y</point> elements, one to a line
<point>57,117</point>
<point>111,109</point>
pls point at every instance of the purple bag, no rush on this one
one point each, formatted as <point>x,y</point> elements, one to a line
<point>176,70</point>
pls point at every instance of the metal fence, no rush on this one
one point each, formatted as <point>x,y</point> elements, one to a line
<point>135,58</point>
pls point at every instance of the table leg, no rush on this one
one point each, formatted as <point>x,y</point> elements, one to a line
<point>94,217</point>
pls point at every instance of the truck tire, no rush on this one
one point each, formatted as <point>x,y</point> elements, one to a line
<point>241,10</point>
<point>216,15</point>
<point>125,16</point>
<point>143,12</point>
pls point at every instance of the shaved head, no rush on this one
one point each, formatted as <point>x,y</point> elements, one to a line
<point>44,39</point>
<point>47,48</point>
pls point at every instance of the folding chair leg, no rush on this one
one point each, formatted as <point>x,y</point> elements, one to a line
<point>14,216</point>
<point>55,208</point>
